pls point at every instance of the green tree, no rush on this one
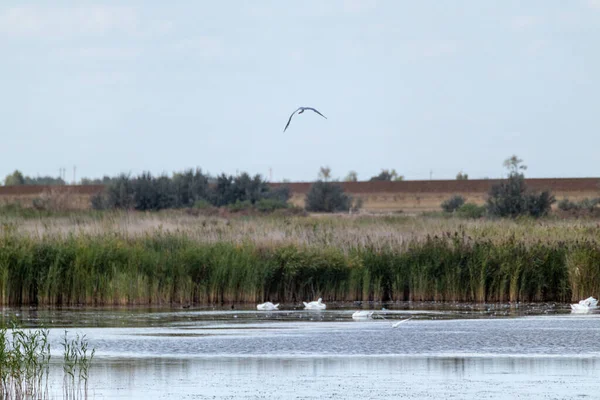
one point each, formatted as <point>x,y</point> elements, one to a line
<point>512,198</point>
<point>89,181</point>
<point>44,180</point>
<point>190,186</point>
<point>325,173</point>
<point>327,197</point>
<point>14,179</point>
<point>387,175</point>
<point>186,189</point>
<point>351,177</point>
<point>514,165</point>
<point>461,176</point>
<point>281,193</point>
<point>241,188</point>
<point>118,193</point>
<point>453,203</point>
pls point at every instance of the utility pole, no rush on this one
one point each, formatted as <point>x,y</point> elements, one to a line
<point>270,174</point>
<point>74,174</point>
<point>430,174</point>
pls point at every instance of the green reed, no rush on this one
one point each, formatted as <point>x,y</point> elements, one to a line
<point>76,366</point>
<point>24,363</point>
<point>175,266</point>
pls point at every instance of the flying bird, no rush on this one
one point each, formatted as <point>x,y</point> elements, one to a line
<point>397,324</point>
<point>302,109</point>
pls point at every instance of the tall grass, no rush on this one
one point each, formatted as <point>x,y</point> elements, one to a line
<point>76,366</point>
<point>162,266</point>
<point>171,257</point>
<point>24,363</point>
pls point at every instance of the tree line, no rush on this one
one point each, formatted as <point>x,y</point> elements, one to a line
<point>17,178</point>
<point>188,189</point>
<point>196,189</point>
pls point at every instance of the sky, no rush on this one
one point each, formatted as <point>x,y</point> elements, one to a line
<point>429,88</point>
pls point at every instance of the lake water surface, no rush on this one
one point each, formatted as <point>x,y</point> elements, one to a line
<point>443,352</point>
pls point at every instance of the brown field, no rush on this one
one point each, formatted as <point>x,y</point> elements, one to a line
<point>406,196</point>
<point>68,197</point>
<point>422,196</point>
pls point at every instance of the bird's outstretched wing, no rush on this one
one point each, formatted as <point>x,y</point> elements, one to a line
<point>396,324</point>
<point>290,120</point>
<point>313,109</point>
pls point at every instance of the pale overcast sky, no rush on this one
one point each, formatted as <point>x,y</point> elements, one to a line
<point>132,85</point>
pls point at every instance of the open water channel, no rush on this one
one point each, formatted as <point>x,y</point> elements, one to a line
<point>444,352</point>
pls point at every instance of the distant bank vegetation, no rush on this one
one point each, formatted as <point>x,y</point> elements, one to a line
<point>189,189</point>
<point>218,264</point>
<point>512,198</point>
<point>203,193</point>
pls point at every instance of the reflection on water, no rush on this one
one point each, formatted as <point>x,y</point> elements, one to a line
<point>143,316</point>
<point>450,352</point>
<point>347,377</point>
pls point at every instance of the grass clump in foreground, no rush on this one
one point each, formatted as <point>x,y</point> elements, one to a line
<point>210,261</point>
<point>76,366</point>
<point>25,364</point>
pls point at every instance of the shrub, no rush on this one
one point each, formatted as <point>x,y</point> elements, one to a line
<point>118,193</point>
<point>281,193</point>
<point>453,203</point>
<point>387,175</point>
<point>567,205</point>
<point>269,205</point>
<point>470,210</point>
<point>202,207</point>
<point>240,206</point>
<point>99,202</point>
<point>356,204</point>
<point>539,204</point>
<point>586,204</point>
<point>512,199</point>
<point>507,199</point>
<point>327,197</point>
<point>589,204</point>
<point>202,204</point>
<point>290,210</point>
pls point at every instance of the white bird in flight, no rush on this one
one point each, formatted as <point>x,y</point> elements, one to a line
<point>397,324</point>
<point>301,109</point>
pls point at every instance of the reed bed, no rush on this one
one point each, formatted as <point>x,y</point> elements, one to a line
<point>25,364</point>
<point>162,258</point>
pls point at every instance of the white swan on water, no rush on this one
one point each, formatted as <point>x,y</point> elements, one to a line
<point>314,305</point>
<point>585,305</point>
<point>362,314</point>
<point>268,306</point>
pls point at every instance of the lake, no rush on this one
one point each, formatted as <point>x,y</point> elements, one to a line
<point>445,351</point>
